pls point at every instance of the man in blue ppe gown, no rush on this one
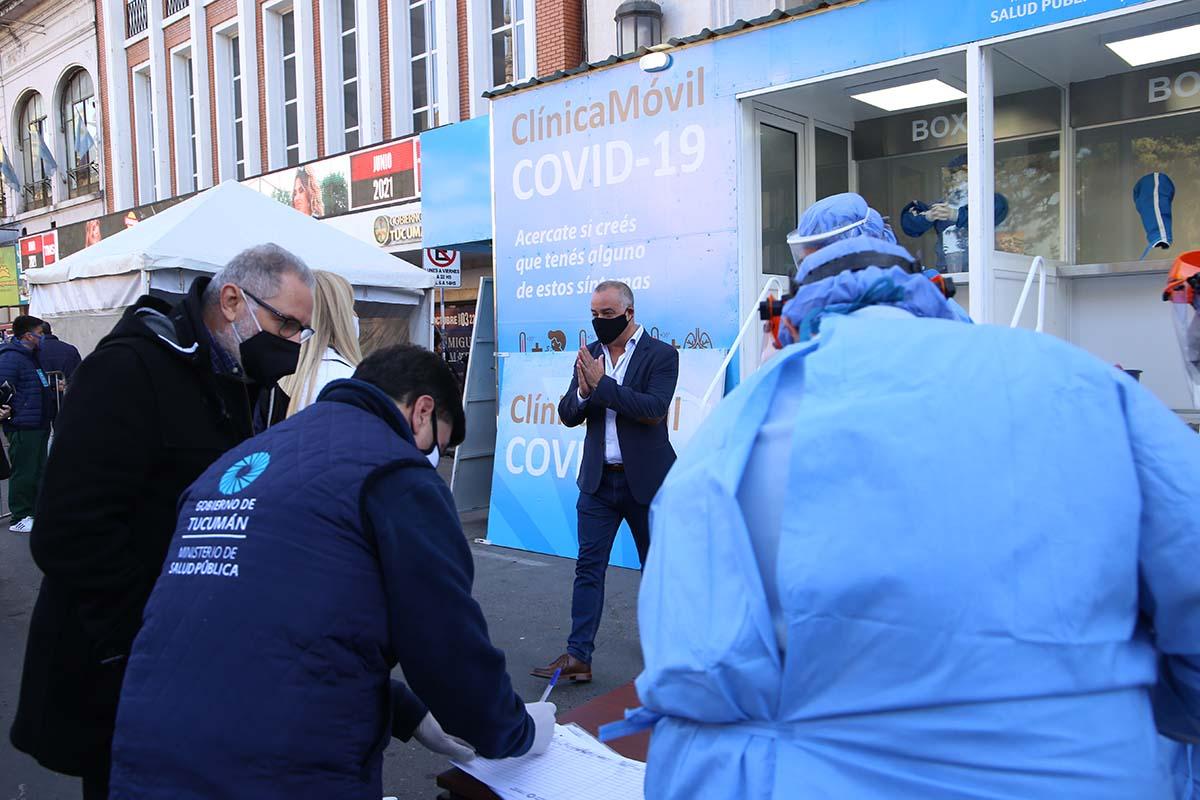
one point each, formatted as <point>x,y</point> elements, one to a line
<point>835,219</point>
<point>913,558</point>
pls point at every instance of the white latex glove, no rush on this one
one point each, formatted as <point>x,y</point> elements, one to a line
<point>769,348</point>
<point>941,212</point>
<point>430,734</point>
<point>543,721</point>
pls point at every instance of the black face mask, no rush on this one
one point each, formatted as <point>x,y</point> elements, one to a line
<point>607,330</point>
<point>267,358</point>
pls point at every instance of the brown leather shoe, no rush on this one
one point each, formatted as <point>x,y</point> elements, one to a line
<point>572,668</point>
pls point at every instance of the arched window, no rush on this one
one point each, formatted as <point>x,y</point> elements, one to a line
<point>79,121</point>
<point>30,128</point>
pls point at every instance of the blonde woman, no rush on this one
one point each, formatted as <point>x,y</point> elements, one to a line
<point>330,354</point>
<point>306,194</point>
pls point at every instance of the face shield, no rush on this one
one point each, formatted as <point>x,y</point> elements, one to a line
<point>802,245</point>
<point>1183,294</point>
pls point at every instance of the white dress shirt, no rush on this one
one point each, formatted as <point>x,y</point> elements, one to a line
<point>612,448</point>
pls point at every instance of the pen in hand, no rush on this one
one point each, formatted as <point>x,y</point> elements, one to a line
<point>553,681</point>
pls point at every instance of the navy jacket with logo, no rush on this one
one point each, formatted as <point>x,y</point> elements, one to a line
<point>305,565</point>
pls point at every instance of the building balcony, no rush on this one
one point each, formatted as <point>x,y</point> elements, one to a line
<point>137,17</point>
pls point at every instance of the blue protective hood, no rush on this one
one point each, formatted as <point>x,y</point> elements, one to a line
<point>1152,196</point>
<point>850,290</point>
<point>839,217</point>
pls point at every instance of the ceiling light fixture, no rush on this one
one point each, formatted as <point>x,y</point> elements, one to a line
<point>1151,48</point>
<point>913,94</point>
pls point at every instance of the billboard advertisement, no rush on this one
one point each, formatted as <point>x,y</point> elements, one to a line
<point>375,178</point>
<point>351,182</point>
<point>78,235</point>
<point>9,276</point>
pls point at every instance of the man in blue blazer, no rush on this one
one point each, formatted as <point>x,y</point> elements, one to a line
<point>622,388</point>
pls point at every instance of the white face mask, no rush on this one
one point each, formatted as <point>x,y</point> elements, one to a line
<point>434,457</point>
<point>357,330</point>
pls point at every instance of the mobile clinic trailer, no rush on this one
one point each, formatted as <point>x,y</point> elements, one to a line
<point>682,172</point>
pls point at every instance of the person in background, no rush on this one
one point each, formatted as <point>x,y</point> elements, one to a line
<point>161,398</point>
<point>28,429</point>
<point>622,388</point>
<point>332,353</point>
<point>59,360</point>
<point>815,613</point>
<point>948,218</point>
<point>277,654</point>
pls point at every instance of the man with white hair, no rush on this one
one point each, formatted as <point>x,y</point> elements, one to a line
<point>165,394</point>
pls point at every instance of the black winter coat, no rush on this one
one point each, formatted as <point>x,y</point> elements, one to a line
<point>145,416</point>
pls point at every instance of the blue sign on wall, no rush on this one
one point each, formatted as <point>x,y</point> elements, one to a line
<point>456,184</point>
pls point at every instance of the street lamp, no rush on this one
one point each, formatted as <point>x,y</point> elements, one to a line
<point>639,24</point>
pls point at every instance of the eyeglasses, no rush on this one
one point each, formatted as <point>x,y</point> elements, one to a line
<point>288,326</point>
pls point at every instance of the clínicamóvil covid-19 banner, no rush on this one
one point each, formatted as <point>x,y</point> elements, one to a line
<point>614,175</point>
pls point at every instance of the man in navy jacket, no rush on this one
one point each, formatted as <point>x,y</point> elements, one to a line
<point>28,429</point>
<point>622,388</point>
<point>307,563</point>
<point>59,360</point>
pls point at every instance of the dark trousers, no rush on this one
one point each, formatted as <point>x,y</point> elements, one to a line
<point>600,516</point>
<point>27,453</point>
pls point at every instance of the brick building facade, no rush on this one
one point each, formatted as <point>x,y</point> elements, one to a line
<point>193,92</point>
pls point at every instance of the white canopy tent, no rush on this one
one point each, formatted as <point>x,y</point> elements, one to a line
<point>85,292</point>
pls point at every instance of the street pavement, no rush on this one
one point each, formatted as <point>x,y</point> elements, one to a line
<point>525,597</point>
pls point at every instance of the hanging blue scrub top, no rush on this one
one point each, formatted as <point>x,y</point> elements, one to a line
<point>985,563</point>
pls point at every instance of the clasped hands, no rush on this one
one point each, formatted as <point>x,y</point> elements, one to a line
<point>588,372</point>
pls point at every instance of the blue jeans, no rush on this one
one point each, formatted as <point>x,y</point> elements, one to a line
<point>600,516</point>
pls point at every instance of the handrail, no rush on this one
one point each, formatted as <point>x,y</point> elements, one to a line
<point>1037,267</point>
<point>772,283</point>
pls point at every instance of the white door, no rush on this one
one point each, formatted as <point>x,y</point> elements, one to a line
<point>782,145</point>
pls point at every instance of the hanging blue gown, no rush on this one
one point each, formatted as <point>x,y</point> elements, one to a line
<point>982,570</point>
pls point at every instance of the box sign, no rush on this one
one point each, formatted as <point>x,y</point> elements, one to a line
<point>385,175</point>
<point>1021,114</point>
<point>445,266</point>
<point>1148,92</point>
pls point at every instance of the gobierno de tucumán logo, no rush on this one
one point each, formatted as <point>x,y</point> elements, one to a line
<point>244,472</point>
